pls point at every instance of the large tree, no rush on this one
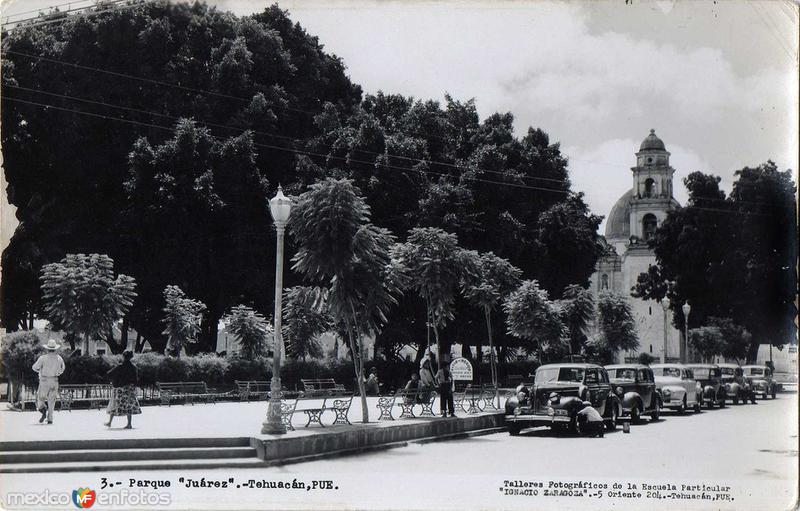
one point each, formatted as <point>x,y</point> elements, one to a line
<point>493,280</point>
<point>534,318</point>
<point>305,317</point>
<point>731,257</point>
<point>338,248</point>
<point>577,313</point>
<point>182,319</point>
<point>438,267</point>
<point>250,329</point>
<point>616,327</point>
<point>82,296</point>
<point>88,87</point>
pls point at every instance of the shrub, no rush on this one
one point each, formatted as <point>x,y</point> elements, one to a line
<point>85,369</point>
<point>148,364</point>
<point>207,367</point>
<point>19,351</point>
<point>171,369</point>
<point>248,369</point>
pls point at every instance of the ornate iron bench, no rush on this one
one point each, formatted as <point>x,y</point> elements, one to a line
<point>385,405</point>
<point>467,398</point>
<point>323,385</point>
<point>96,394</point>
<point>252,388</point>
<point>487,397</point>
<point>188,391</point>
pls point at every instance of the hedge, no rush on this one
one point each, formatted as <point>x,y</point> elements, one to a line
<point>221,372</point>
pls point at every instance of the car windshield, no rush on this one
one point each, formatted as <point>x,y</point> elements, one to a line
<point>567,374</point>
<point>756,371</point>
<point>668,371</point>
<point>624,374</point>
<point>728,371</point>
<point>702,373</point>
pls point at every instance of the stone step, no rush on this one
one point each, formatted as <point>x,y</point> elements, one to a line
<point>100,466</point>
<point>123,443</point>
<point>87,455</point>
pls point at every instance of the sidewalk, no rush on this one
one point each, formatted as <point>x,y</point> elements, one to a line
<point>224,419</point>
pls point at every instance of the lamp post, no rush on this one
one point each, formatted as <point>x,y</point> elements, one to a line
<point>686,310</point>
<point>664,351</point>
<point>279,207</point>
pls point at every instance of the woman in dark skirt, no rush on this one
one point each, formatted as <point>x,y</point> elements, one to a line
<point>123,400</point>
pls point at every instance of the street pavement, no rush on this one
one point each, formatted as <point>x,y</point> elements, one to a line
<point>745,455</point>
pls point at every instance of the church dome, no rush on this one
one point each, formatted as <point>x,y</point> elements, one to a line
<point>652,142</point>
<point>618,224</point>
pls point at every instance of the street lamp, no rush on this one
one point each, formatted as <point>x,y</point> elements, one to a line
<point>686,310</point>
<point>664,352</point>
<point>279,207</point>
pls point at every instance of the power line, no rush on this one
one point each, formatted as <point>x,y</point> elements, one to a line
<point>112,6</point>
<point>295,140</point>
<point>42,9</point>
<point>296,151</point>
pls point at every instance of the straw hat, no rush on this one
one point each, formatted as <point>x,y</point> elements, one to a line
<point>52,344</point>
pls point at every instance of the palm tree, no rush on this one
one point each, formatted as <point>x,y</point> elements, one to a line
<point>305,318</point>
<point>494,279</point>
<point>438,266</point>
<point>338,247</point>
<point>181,320</point>
<point>250,329</point>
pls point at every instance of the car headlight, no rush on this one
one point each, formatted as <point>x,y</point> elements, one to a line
<point>554,397</point>
<point>521,396</point>
<point>619,390</point>
<point>667,392</point>
<point>550,411</point>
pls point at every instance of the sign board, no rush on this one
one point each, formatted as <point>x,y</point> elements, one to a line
<point>461,369</point>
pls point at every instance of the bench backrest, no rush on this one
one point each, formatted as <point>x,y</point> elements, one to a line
<point>86,390</point>
<point>320,386</point>
<point>186,387</point>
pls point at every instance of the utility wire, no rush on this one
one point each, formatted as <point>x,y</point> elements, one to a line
<point>291,139</point>
<point>296,151</point>
<point>81,13</point>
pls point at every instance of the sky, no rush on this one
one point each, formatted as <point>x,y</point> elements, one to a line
<point>716,80</point>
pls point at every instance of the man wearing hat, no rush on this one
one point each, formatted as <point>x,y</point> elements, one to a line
<point>49,365</point>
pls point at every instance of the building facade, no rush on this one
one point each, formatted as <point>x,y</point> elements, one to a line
<point>631,223</point>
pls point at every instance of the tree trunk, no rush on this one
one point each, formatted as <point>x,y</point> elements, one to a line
<point>138,344</point>
<point>440,347</point>
<point>752,352</point>
<point>124,333</point>
<point>492,363</point>
<point>358,363</point>
<point>85,344</point>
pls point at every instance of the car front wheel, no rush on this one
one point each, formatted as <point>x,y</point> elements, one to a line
<point>773,393</point>
<point>635,414</point>
<point>514,429</point>
<point>682,408</point>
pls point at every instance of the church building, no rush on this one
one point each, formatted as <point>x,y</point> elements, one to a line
<point>630,224</point>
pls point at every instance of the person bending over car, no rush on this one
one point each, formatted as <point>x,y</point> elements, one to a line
<point>590,423</point>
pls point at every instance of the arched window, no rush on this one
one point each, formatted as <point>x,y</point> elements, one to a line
<point>649,224</point>
<point>604,281</point>
<point>649,187</point>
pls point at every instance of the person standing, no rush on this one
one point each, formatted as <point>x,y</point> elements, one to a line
<point>50,365</point>
<point>446,393</point>
<point>373,385</point>
<point>123,401</point>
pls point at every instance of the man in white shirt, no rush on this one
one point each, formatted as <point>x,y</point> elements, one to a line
<point>50,365</point>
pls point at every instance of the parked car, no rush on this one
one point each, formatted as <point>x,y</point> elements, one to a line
<point>761,381</point>
<point>786,382</point>
<point>635,387</point>
<point>709,377</point>
<point>679,390</point>
<point>737,387</point>
<point>556,396</point>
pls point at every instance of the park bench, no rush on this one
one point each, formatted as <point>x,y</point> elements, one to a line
<point>407,400</point>
<point>467,398</point>
<point>188,391</point>
<point>322,386</point>
<point>252,388</point>
<point>487,397</point>
<point>96,394</point>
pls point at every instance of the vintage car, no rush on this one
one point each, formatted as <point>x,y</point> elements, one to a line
<point>635,386</point>
<point>678,389</point>
<point>556,396</point>
<point>736,385</point>
<point>761,381</point>
<point>709,377</point>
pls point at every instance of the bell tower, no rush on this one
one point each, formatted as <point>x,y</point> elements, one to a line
<point>652,188</point>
